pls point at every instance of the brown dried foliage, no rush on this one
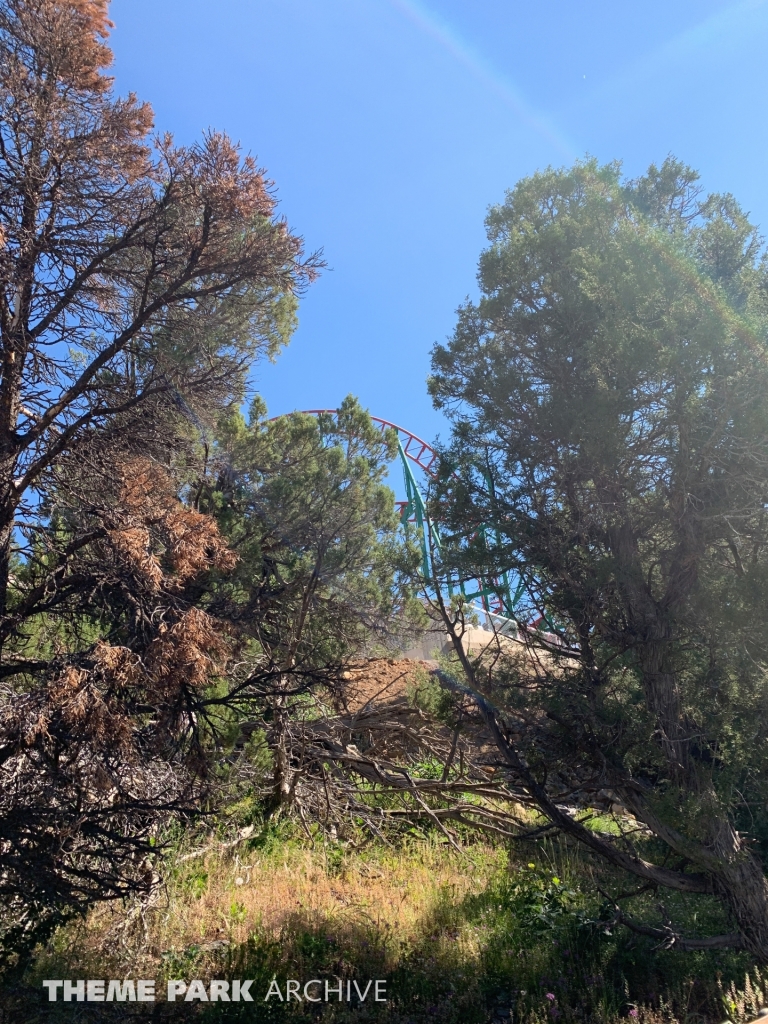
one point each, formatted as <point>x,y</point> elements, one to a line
<point>116,248</point>
<point>138,279</point>
<point>185,654</point>
<point>96,754</point>
<point>193,543</point>
<point>76,28</point>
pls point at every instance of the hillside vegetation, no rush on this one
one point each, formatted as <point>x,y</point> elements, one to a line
<point>476,934</point>
<point>215,766</point>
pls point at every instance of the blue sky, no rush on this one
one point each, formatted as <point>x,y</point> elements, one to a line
<point>390,126</point>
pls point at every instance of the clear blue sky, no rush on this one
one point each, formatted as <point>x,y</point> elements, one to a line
<point>390,126</point>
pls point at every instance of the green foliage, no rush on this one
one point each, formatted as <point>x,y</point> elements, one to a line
<point>322,567</point>
<point>531,936</point>
<point>196,882</point>
<point>537,899</point>
<point>611,382</point>
<point>322,576</point>
<point>425,692</point>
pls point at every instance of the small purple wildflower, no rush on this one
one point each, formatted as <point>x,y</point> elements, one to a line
<point>550,996</point>
<point>633,1012</point>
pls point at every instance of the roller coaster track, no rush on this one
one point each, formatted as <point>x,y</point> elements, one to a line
<point>494,598</point>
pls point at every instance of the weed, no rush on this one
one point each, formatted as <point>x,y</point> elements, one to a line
<point>459,939</point>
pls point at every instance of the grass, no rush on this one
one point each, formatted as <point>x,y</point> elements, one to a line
<point>460,939</point>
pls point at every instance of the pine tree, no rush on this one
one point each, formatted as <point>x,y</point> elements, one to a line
<point>610,384</point>
<point>138,281</point>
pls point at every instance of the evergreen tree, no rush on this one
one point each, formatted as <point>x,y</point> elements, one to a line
<point>609,398</point>
<point>138,281</point>
<point>322,572</point>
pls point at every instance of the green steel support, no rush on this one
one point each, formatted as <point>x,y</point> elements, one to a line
<point>416,507</point>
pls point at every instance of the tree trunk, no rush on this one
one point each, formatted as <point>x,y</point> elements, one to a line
<point>282,778</point>
<point>7,515</point>
<point>742,886</point>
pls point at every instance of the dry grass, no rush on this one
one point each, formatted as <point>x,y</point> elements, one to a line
<point>227,896</point>
<point>393,891</point>
<point>458,945</point>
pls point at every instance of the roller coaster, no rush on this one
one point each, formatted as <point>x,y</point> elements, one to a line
<point>496,598</point>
